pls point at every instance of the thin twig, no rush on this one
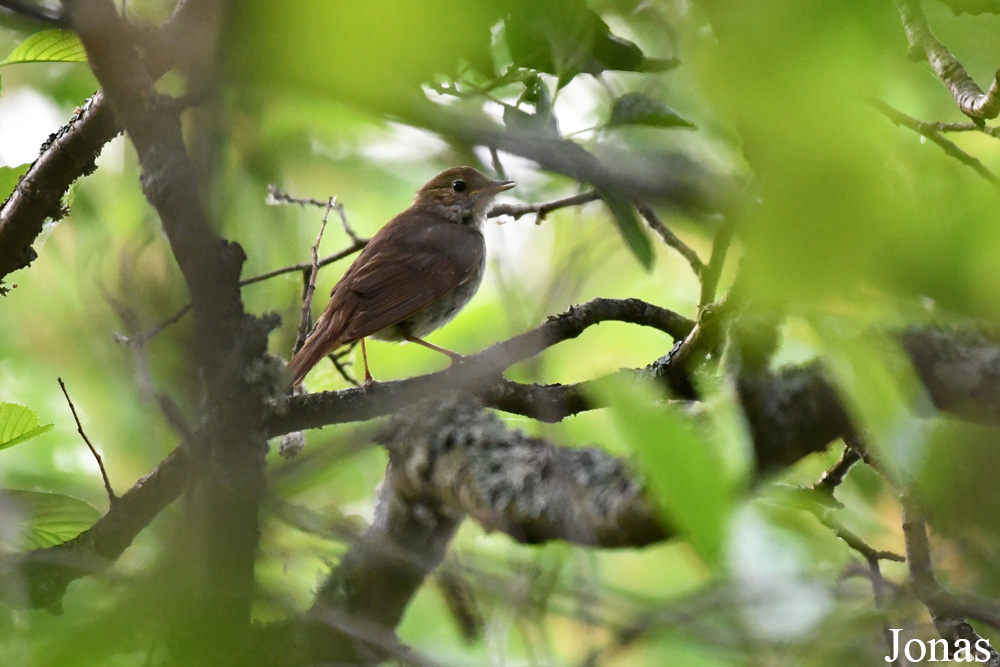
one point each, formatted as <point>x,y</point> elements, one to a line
<point>306,266</point>
<point>931,132</point>
<point>541,210</point>
<point>713,272</point>
<point>832,478</point>
<point>338,363</point>
<point>656,224</point>
<point>516,211</point>
<point>964,127</point>
<point>276,196</point>
<point>305,319</point>
<point>112,498</point>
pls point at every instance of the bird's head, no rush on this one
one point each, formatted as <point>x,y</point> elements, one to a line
<point>461,194</point>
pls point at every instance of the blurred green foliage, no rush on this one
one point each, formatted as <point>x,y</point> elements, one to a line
<point>848,223</point>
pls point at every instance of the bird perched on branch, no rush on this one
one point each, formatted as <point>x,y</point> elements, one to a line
<point>415,274</point>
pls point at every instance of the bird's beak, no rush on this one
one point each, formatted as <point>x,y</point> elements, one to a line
<point>497,187</point>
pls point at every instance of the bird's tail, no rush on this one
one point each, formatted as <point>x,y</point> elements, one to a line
<point>319,344</point>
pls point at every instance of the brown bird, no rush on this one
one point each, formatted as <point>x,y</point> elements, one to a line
<point>414,275</point>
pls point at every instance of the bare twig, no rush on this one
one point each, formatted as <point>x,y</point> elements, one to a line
<point>934,134</point>
<point>656,224</point>
<point>923,44</point>
<point>337,359</point>
<point>541,210</point>
<point>142,339</point>
<point>305,319</point>
<point>276,196</point>
<point>962,127</point>
<point>945,611</point>
<point>713,272</point>
<point>79,427</point>
<point>832,478</point>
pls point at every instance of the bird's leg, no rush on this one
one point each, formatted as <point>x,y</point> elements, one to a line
<point>369,380</point>
<point>454,356</point>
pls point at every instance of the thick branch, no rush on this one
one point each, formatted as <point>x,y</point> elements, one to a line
<point>477,373</point>
<point>792,412</point>
<point>923,44</point>
<point>228,342</point>
<point>70,153</point>
<point>49,571</point>
<point>469,462</point>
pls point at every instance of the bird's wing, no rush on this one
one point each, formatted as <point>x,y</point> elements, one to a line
<point>399,279</point>
<point>412,262</point>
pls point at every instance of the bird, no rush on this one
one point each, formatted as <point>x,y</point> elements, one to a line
<point>415,274</point>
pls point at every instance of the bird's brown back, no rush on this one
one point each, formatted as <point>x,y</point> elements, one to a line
<point>413,261</point>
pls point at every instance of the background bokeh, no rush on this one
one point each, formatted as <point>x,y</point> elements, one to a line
<point>847,224</point>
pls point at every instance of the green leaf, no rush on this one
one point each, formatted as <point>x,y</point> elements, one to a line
<point>630,228</point>
<point>9,178</point>
<point>639,109</point>
<point>680,464</point>
<point>881,391</point>
<point>48,46</point>
<point>18,424</point>
<point>48,519</point>
<point>567,38</point>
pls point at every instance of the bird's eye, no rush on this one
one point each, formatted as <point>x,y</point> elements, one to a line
<point>458,186</point>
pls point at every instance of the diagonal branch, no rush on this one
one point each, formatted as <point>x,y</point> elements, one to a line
<point>476,373</point>
<point>70,154</point>
<point>933,132</point>
<point>923,44</point>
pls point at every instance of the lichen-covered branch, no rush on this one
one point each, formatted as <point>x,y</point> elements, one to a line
<point>791,412</point>
<point>470,463</point>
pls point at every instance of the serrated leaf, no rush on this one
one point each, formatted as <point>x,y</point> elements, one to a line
<point>48,46</point>
<point>48,519</point>
<point>679,463</point>
<point>630,228</point>
<point>18,424</point>
<point>640,109</point>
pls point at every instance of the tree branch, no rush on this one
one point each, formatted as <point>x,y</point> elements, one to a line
<point>228,344</point>
<point>933,132</point>
<point>477,373</point>
<point>70,153</point>
<point>924,45</point>
<point>791,412</point>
